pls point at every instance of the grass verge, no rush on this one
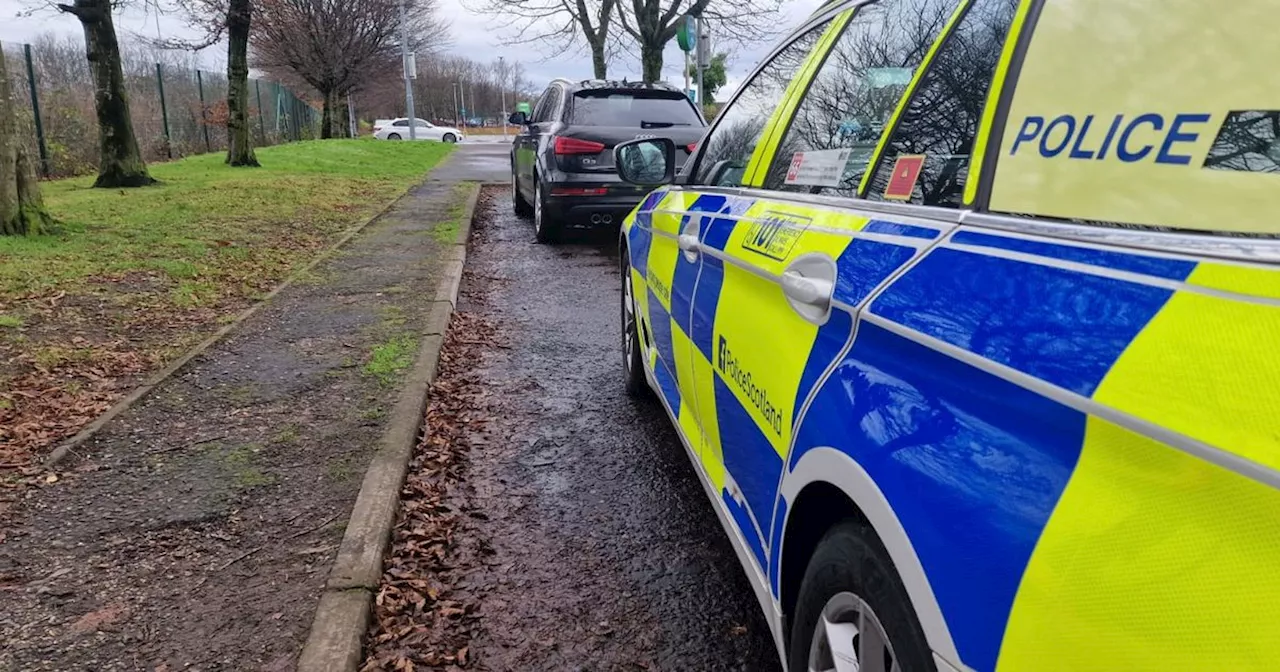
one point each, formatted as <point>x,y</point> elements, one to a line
<point>391,357</point>
<point>132,278</point>
<point>446,232</point>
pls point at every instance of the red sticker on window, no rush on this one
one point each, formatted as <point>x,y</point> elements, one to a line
<point>793,172</point>
<point>905,173</point>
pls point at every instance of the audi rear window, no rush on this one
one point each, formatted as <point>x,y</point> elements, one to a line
<point>648,109</point>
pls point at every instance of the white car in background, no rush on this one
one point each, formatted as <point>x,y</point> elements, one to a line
<point>398,129</point>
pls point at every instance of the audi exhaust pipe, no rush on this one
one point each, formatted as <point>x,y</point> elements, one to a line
<point>595,219</point>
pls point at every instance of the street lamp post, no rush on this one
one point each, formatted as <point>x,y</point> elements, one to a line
<point>456,115</point>
<point>502,93</point>
<point>408,74</point>
<point>703,56</point>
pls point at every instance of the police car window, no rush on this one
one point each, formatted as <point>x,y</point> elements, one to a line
<point>926,160</point>
<point>1249,141</point>
<point>838,122</point>
<point>733,139</point>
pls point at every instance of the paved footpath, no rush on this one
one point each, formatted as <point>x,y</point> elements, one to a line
<point>197,529</point>
<point>582,538</point>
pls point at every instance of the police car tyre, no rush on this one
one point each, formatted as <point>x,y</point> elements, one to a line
<point>850,567</point>
<point>632,360</point>
<point>450,138</point>
<point>547,232</point>
<point>393,136</point>
<point>518,202</point>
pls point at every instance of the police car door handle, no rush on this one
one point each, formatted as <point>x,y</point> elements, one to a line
<point>689,244</point>
<point>809,291</point>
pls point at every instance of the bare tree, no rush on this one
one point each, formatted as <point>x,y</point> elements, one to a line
<point>121,162</point>
<point>653,23</point>
<point>21,208</point>
<point>433,91</point>
<point>232,19</point>
<point>558,25</point>
<point>336,45</point>
<point>239,135</point>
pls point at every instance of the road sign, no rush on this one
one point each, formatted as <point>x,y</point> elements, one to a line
<point>524,107</point>
<point>687,34</point>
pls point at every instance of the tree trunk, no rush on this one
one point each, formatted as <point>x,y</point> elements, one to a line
<point>326,118</point>
<point>120,162</point>
<point>21,209</point>
<point>239,134</point>
<point>598,63</point>
<point>651,62</point>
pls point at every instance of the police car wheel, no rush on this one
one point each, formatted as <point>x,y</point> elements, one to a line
<point>547,232</point>
<point>632,357</point>
<point>518,202</point>
<point>853,612</point>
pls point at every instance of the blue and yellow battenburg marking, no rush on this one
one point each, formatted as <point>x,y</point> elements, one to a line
<point>1051,538</point>
<point>748,384</point>
<point>1001,488</point>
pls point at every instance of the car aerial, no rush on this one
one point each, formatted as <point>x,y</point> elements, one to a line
<point>994,387</point>
<point>398,129</point>
<point>562,171</point>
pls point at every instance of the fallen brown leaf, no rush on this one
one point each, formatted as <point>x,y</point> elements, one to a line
<point>97,620</point>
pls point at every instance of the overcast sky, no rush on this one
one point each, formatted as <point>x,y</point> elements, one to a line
<point>473,35</point>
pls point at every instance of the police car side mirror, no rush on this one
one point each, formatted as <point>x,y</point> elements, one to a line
<point>518,119</point>
<point>648,162</point>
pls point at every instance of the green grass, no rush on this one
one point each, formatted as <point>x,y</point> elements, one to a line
<point>388,359</point>
<point>240,463</point>
<point>446,232</point>
<point>11,321</point>
<point>207,224</point>
<point>341,469</point>
<point>289,434</point>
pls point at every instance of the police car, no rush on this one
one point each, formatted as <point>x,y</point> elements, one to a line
<point>998,389</point>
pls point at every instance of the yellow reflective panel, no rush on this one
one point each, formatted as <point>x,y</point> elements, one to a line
<point>761,346</point>
<point>663,249</point>
<point>1251,280</point>
<point>1205,367</point>
<point>1152,560</point>
<point>1154,112</point>
<point>761,343</point>
<point>712,453</point>
<point>683,350</point>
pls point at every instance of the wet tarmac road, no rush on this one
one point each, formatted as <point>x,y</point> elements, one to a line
<point>604,551</point>
<point>488,160</point>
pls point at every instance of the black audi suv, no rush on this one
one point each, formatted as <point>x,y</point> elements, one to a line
<point>562,171</point>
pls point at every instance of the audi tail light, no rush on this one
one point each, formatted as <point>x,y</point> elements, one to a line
<point>565,145</point>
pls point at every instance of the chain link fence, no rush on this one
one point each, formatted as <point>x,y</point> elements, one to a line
<point>177,109</point>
